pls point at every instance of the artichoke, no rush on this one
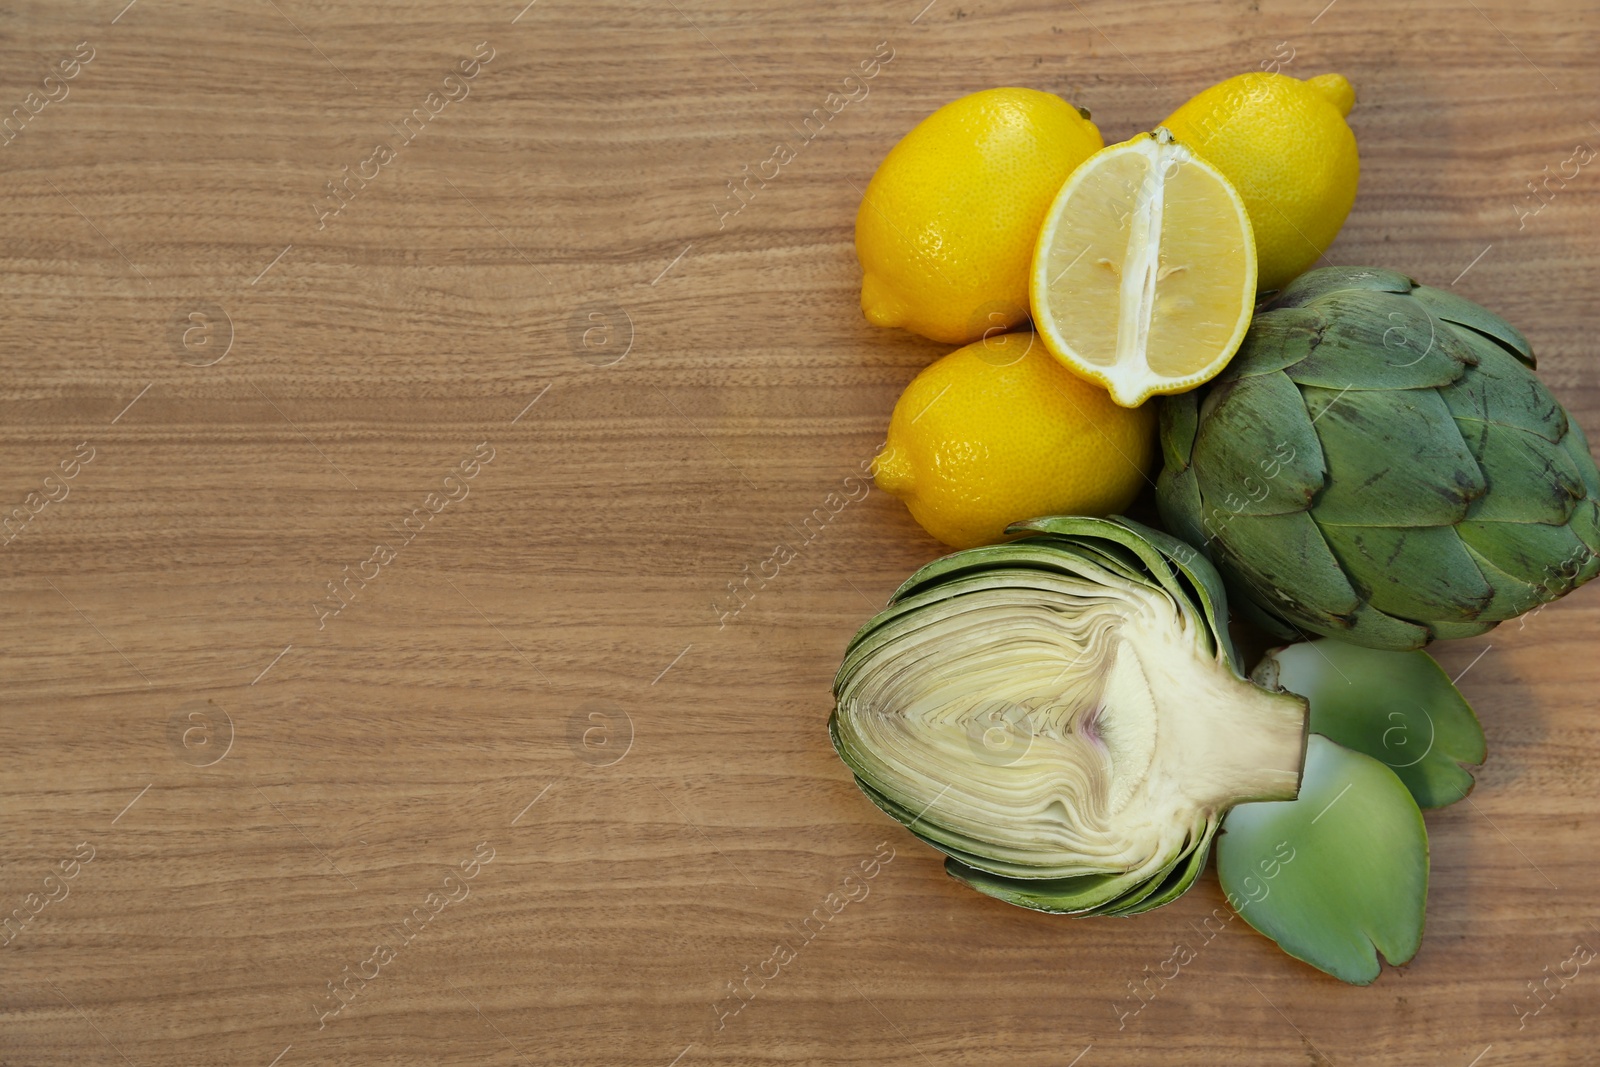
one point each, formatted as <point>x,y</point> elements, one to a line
<point>1400,708</point>
<point>1064,716</point>
<point>1340,874</point>
<point>1378,463</point>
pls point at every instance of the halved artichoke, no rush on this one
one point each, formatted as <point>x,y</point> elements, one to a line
<point>1064,716</point>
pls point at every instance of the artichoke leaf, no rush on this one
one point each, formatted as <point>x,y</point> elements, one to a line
<point>1400,708</point>
<point>1393,458</point>
<point>978,561</point>
<point>1370,626</point>
<point>1155,550</point>
<point>1535,481</point>
<point>1585,526</point>
<point>1179,417</point>
<point>1337,875</point>
<point>1455,631</point>
<point>1272,625</point>
<point>1512,596</point>
<point>1179,504</point>
<point>1122,895</point>
<point>1084,895</point>
<point>1170,559</point>
<point>1552,559</point>
<point>1458,309</point>
<point>1274,342</point>
<point>1503,392</point>
<point>1381,341</point>
<point>1423,572</point>
<point>1315,284</point>
<point>1257,452</point>
<point>1287,563</point>
<point>1178,881</point>
<point>1286,559</point>
<point>1577,446</point>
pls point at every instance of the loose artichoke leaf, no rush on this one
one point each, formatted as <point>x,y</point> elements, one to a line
<point>1393,458</point>
<point>1419,573</point>
<point>1504,392</point>
<point>1400,708</point>
<point>1534,480</point>
<point>1458,309</point>
<point>1257,453</point>
<point>1339,874</point>
<point>1110,775</point>
<point>1316,283</point>
<point>1380,341</point>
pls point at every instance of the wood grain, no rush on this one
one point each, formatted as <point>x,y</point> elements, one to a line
<point>268,792</point>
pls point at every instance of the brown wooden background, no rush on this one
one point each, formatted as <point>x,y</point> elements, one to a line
<point>265,799</point>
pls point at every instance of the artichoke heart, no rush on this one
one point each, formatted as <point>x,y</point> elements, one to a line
<point>1064,716</point>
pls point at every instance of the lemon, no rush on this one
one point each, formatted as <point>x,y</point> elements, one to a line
<point>1144,277</point>
<point>946,227</point>
<point>999,431</point>
<point>1286,147</point>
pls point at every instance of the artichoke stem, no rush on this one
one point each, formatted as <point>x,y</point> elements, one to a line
<point>1235,741</point>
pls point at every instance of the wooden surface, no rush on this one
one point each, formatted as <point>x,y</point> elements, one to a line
<point>268,790</point>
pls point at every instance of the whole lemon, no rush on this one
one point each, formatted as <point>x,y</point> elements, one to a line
<point>946,229</point>
<point>1284,144</point>
<point>1000,431</point>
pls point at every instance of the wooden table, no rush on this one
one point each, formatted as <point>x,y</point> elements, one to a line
<point>521,769</point>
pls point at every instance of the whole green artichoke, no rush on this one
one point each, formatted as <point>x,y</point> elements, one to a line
<point>1378,463</point>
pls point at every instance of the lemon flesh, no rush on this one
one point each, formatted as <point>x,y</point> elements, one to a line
<point>1144,275</point>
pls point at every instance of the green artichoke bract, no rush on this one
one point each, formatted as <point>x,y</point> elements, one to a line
<point>1378,463</point>
<point>1337,875</point>
<point>1399,708</point>
<point>1064,716</point>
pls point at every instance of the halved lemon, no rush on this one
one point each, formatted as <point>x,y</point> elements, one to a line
<point>1144,276</point>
